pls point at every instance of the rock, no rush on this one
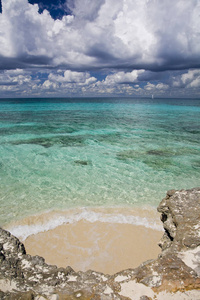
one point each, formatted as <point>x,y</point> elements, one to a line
<point>83,162</point>
<point>181,219</point>
<point>177,269</point>
<point>17,296</point>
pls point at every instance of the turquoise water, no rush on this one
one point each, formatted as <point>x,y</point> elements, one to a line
<point>70,153</point>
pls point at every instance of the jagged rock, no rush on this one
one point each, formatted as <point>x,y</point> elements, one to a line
<point>177,269</point>
<point>181,219</point>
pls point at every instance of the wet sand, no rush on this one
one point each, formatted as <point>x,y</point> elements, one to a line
<point>100,246</point>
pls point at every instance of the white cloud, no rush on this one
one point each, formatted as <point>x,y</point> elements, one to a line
<point>82,78</point>
<point>159,87</point>
<point>5,40</point>
<point>15,72</point>
<point>49,85</point>
<point>122,77</point>
<point>195,83</point>
<point>162,86</point>
<point>133,26</point>
<point>190,79</point>
<point>12,77</point>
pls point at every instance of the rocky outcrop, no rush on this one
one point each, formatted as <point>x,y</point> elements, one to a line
<point>180,214</point>
<point>175,274</point>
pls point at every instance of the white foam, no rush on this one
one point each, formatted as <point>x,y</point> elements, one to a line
<point>23,231</point>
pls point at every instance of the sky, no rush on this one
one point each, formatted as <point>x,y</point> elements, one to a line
<point>90,48</point>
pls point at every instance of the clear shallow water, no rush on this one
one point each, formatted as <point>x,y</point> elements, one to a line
<point>58,154</point>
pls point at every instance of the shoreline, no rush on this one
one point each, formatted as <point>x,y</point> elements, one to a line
<point>102,247</point>
<point>146,216</point>
<point>106,240</point>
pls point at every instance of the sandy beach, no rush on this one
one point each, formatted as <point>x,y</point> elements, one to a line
<point>103,247</point>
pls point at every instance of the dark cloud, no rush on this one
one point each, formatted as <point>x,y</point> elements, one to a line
<point>23,62</point>
<point>35,60</point>
<point>8,83</point>
<point>7,63</point>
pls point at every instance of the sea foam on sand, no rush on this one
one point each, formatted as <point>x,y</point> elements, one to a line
<point>146,217</point>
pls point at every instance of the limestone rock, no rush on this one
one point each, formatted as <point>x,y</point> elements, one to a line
<point>181,219</point>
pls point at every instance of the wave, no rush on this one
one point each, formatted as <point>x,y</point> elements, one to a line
<point>58,219</point>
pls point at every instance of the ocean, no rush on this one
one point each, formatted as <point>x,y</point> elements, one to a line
<point>80,156</point>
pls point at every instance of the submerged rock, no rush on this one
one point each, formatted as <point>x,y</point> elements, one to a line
<point>83,162</point>
<point>176,270</point>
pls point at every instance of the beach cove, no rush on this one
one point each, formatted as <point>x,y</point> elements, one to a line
<point>174,274</point>
<point>105,240</point>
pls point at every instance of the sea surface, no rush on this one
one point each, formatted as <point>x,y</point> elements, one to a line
<point>79,154</point>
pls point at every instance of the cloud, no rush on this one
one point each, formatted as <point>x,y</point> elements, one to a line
<point>156,87</point>
<point>17,82</point>
<point>178,47</point>
<point>69,82</point>
<point>85,9</point>
<point>122,77</point>
<point>73,77</point>
<point>137,34</point>
<point>49,83</point>
<point>104,46</point>
<point>190,79</point>
<point>14,77</point>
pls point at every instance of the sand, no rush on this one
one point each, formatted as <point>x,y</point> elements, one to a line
<point>100,246</point>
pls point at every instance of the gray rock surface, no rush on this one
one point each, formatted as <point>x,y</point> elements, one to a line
<point>181,219</point>
<point>176,270</point>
